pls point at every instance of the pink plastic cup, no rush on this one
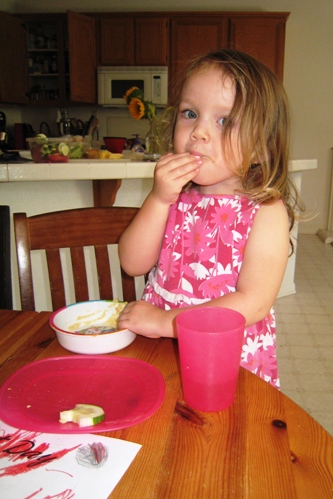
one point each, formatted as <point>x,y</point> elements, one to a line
<point>210,342</point>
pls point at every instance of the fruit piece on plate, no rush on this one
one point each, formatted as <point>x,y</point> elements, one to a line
<point>83,415</point>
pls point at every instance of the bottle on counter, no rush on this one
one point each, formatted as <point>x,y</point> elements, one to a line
<point>137,146</point>
<point>137,151</point>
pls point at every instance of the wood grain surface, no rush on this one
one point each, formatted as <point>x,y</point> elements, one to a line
<point>263,446</point>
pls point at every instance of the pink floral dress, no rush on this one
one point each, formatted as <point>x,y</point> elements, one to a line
<point>200,259</point>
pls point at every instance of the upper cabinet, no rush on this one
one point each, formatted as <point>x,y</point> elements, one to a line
<point>13,60</point>
<point>48,59</point>
<point>117,41</point>
<point>82,58</point>
<point>262,36</point>
<point>129,41</point>
<point>151,41</point>
<point>173,38</point>
<point>193,35</point>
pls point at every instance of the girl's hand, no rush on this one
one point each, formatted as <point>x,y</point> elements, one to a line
<point>144,318</point>
<point>172,172</point>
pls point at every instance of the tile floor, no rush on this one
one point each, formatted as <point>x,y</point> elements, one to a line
<point>305,332</point>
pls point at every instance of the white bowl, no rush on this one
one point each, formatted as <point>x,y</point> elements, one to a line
<point>69,321</point>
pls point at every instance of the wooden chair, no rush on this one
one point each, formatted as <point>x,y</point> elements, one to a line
<point>6,301</point>
<point>75,229</point>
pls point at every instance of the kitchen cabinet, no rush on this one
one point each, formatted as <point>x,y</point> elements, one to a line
<point>173,38</point>
<point>46,44</point>
<point>193,35</point>
<point>262,36</point>
<point>117,41</point>
<point>13,57</point>
<point>82,58</point>
<point>52,60</point>
<point>151,41</point>
<point>133,40</point>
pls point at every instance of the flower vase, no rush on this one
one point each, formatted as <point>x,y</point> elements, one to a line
<point>152,143</point>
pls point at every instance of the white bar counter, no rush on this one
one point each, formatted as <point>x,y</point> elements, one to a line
<point>77,169</point>
<point>104,169</point>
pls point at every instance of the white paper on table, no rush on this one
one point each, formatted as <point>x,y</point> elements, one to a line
<point>43,465</point>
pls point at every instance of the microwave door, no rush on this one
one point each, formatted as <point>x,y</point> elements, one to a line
<point>120,87</point>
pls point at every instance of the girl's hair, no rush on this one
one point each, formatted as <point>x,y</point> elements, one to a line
<point>262,116</point>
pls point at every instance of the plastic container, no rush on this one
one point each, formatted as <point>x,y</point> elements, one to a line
<point>49,150</point>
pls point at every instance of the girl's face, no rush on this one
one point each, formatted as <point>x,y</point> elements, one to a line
<point>206,101</point>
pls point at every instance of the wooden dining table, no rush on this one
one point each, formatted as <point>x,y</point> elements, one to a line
<point>263,446</point>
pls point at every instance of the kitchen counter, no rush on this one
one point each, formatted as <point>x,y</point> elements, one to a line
<point>86,169</point>
<point>106,175</point>
<point>78,169</point>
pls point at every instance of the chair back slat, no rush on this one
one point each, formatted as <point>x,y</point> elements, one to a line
<point>74,230</point>
<point>128,287</point>
<point>5,265</point>
<point>103,269</point>
<point>79,274</point>
<point>24,261</point>
<point>56,279</point>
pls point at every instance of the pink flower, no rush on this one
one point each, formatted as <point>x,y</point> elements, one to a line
<point>168,264</point>
<point>223,217</point>
<point>239,250</point>
<point>262,362</point>
<point>197,238</point>
<point>268,364</point>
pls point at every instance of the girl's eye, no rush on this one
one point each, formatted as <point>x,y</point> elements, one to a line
<point>189,114</point>
<point>222,121</point>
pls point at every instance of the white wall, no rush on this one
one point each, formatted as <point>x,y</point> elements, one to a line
<point>308,76</point>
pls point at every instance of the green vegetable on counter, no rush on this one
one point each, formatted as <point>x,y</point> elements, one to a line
<point>76,151</point>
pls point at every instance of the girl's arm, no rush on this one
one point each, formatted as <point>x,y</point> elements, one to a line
<point>140,243</point>
<point>260,278</point>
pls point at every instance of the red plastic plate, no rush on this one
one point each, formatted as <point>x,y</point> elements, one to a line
<point>129,391</point>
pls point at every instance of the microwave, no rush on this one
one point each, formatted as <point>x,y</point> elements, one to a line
<point>114,81</point>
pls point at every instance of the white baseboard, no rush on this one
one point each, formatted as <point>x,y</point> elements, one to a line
<point>287,289</point>
<point>325,235</point>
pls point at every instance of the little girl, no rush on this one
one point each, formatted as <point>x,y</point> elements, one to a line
<point>215,227</point>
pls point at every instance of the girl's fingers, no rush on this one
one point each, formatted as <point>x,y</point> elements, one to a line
<point>172,172</point>
<point>178,165</point>
<point>176,160</point>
